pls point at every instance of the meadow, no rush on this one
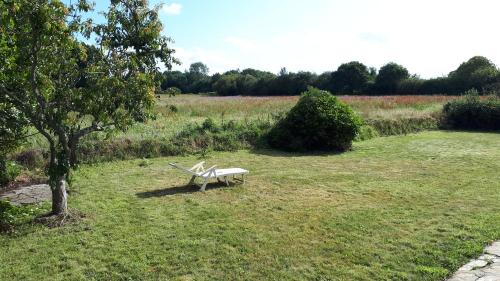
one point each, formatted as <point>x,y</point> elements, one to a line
<point>412,207</point>
<point>174,131</point>
<point>196,108</point>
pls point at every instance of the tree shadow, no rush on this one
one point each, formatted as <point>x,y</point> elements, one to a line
<point>175,190</point>
<point>491,132</point>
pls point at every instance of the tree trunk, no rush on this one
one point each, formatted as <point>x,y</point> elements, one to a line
<point>3,171</point>
<point>58,175</point>
<point>59,195</point>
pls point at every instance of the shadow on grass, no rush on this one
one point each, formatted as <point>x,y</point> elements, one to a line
<point>492,132</point>
<point>171,191</point>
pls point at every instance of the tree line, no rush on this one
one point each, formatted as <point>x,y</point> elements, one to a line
<point>352,78</point>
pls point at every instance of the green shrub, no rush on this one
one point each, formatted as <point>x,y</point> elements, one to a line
<point>6,216</point>
<point>172,91</point>
<point>173,108</point>
<point>366,132</point>
<point>208,136</point>
<point>402,126</point>
<point>209,125</point>
<point>10,173</point>
<point>229,136</point>
<point>319,121</point>
<point>149,148</point>
<point>11,215</point>
<point>472,113</point>
<point>30,159</point>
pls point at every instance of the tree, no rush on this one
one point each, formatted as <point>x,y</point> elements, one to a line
<point>246,84</point>
<point>476,73</point>
<point>289,83</point>
<point>199,68</point>
<point>45,56</point>
<point>176,79</point>
<point>226,85</point>
<point>198,79</point>
<point>388,78</point>
<point>12,132</point>
<point>12,123</point>
<point>324,81</point>
<point>350,78</point>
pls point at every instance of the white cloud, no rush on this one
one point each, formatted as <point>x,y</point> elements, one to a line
<point>243,44</point>
<point>172,9</point>
<point>217,61</point>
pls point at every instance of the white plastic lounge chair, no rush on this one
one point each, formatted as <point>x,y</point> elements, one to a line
<point>211,173</point>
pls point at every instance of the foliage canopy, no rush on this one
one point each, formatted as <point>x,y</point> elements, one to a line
<point>66,89</point>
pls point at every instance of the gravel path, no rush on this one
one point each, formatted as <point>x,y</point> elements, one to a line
<point>485,268</point>
<point>28,194</point>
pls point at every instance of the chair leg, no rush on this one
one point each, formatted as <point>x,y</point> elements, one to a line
<point>204,185</point>
<point>191,182</point>
<point>243,178</point>
<point>225,179</point>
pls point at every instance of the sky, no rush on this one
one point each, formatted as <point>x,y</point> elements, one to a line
<point>429,37</point>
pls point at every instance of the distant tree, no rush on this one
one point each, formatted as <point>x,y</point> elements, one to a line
<point>476,73</point>
<point>350,78</point>
<point>176,79</point>
<point>246,84</point>
<point>199,68</point>
<point>373,73</point>
<point>388,78</point>
<point>198,79</point>
<point>410,86</point>
<point>264,84</point>
<point>233,71</point>
<point>436,86</point>
<point>202,85</point>
<point>283,71</point>
<point>226,85</point>
<point>324,82</point>
<point>250,71</point>
<point>44,67</point>
<point>289,83</point>
<point>214,79</point>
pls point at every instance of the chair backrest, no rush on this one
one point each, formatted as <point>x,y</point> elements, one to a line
<point>183,169</point>
<point>198,168</point>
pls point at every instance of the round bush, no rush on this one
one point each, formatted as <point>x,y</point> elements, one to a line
<point>472,113</point>
<point>318,122</point>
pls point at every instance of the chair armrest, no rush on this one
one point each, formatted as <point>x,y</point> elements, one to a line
<point>198,167</point>
<point>209,171</point>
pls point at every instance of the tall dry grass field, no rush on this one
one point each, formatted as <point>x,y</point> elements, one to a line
<point>175,113</point>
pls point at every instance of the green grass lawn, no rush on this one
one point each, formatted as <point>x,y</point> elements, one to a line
<point>411,207</point>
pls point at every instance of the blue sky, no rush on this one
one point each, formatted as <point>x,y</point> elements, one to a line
<point>429,37</point>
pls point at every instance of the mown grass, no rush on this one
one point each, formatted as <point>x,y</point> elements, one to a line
<point>411,207</point>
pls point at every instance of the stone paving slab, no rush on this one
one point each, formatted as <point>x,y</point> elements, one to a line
<point>484,268</point>
<point>28,194</point>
